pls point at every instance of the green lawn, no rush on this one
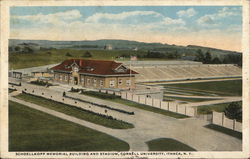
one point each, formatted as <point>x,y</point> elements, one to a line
<point>74,111</point>
<point>166,144</point>
<point>137,105</point>
<point>39,58</point>
<point>222,88</point>
<point>187,99</point>
<point>207,109</point>
<point>225,130</point>
<point>32,130</point>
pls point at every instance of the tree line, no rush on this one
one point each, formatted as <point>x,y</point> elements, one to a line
<point>227,59</point>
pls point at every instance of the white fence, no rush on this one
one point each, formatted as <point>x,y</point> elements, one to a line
<point>221,120</point>
<point>170,106</point>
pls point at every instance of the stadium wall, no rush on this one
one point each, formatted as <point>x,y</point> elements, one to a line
<point>221,120</point>
<point>169,106</point>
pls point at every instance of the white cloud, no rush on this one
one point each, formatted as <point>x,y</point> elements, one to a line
<point>206,20</point>
<point>224,12</point>
<point>212,19</point>
<point>187,13</point>
<point>121,16</point>
<point>54,18</point>
<point>170,21</point>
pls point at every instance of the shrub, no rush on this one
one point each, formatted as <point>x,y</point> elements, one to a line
<point>68,54</point>
<point>87,54</point>
<point>100,95</point>
<point>234,111</point>
<point>41,83</point>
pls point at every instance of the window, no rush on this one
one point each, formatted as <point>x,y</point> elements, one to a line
<point>70,79</point>
<point>95,82</point>
<point>75,69</point>
<point>128,82</point>
<point>88,81</point>
<point>111,83</point>
<point>101,82</point>
<point>60,77</point>
<point>82,79</point>
<point>66,77</point>
<point>120,82</point>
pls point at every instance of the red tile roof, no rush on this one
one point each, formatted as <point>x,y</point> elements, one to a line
<point>97,67</point>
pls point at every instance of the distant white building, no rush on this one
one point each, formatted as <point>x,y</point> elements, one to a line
<point>108,47</point>
<point>135,49</point>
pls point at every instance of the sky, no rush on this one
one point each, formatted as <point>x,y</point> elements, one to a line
<point>212,26</point>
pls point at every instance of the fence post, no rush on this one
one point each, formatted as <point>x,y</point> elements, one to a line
<point>212,117</point>
<point>176,107</point>
<point>234,124</point>
<point>223,116</point>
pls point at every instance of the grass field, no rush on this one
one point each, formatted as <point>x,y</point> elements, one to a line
<point>186,99</point>
<point>166,144</point>
<point>32,130</point>
<point>207,109</point>
<point>39,58</point>
<point>225,130</point>
<point>73,111</point>
<point>220,88</point>
<point>137,105</point>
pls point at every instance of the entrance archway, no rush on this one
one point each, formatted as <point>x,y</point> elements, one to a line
<point>76,80</point>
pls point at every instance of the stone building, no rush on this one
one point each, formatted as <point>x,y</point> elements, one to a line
<point>94,74</point>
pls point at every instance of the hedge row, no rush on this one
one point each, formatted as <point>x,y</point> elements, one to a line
<point>101,105</point>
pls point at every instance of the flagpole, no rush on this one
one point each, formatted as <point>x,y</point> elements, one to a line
<point>130,73</point>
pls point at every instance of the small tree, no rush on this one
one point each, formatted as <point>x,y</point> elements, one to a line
<point>17,48</point>
<point>199,56</point>
<point>234,111</point>
<point>68,54</point>
<point>87,54</point>
<point>208,58</point>
<point>216,60</point>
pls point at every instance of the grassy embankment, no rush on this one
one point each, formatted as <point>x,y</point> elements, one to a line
<point>186,100</point>
<point>76,112</point>
<point>220,88</point>
<point>207,109</point>
<point>32,130</point>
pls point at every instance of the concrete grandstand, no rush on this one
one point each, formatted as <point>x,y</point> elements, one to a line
<point>150,71</point>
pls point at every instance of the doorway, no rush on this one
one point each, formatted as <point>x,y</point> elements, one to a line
<point>76,80</point>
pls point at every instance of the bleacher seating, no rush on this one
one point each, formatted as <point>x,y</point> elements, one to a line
<point>184,72</point>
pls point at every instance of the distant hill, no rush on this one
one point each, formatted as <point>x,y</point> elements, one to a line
<point>211,49</point>
<point>117,44</point>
